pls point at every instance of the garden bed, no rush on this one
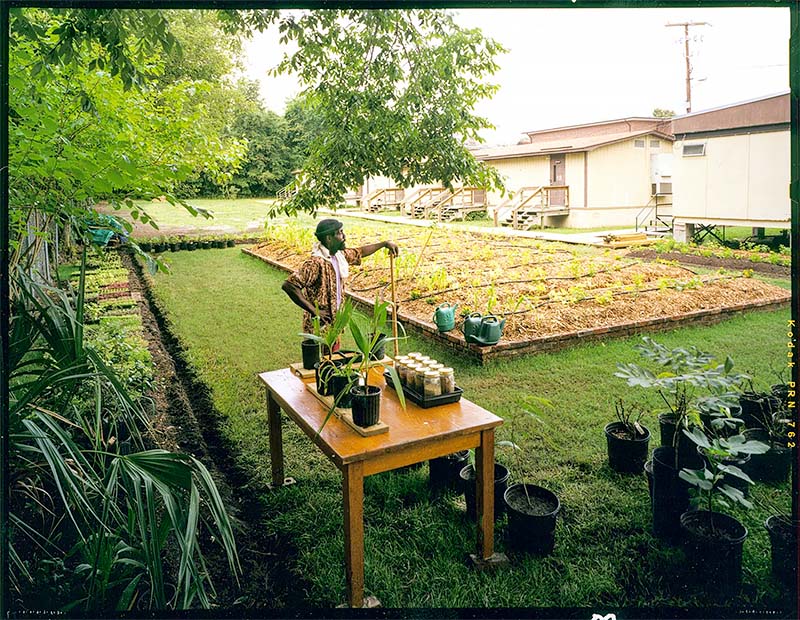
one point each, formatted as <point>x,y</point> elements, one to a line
<point>550,295</point>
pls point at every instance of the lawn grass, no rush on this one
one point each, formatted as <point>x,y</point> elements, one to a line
<point>231,315</point>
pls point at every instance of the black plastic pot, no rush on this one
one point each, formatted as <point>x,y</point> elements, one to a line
<point>365,404</point>
<point>626,455</point>
<point>687,449</point>
<point>648,472</point>
<point>739,461</point>
<point>772,466</point>
<point>444,471</point>
<point>230,243</point>
<point>532,513</point>
<point>756,406</point>
<point>323,371</point>
<point>501,476</point>
<point>670,495</point>
<point>310,353</point>
<point>145,246</point>
<point>713,544</point>
<point>783,539</point>
<point>340,389</point>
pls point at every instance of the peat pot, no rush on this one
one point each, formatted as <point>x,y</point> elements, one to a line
<point>713,544</point>
<point>444,471</point>
<point>532,511</point>
<point>365,403</point>
<point>775,465</point>
<point>310,353</point>
<point>783,539</point>
<point>625,453</point>
<point>501,476</point>
<point>670,495</point>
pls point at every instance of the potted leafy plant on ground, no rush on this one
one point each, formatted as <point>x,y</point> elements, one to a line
<point>713,540</point>
<point>627,439</point>
<point>783,532</point>
<point>532,509</point>
<point>774,465</point>
<point>691,381</point>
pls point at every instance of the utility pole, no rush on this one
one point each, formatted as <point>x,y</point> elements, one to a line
<point>686,26</point>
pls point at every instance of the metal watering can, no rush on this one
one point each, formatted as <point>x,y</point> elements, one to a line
<point>490,331</point>
<point>445,317</point>
<point>472,326</point>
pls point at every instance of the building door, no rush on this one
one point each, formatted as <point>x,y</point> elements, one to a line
<point>557,170</point>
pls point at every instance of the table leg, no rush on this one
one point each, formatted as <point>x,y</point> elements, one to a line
<point>276,443</point>
<point>353,491</point>
<point>484,479</point>
<point>484,495</point>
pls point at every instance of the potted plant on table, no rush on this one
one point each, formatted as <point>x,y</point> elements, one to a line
<point>325,337</point>
<point>366,398</point>
<point>713,540</point>
<point>627,439</point>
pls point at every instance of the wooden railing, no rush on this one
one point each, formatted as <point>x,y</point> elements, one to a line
<point>524,200</point>
<point>387,196</point>
<point>407,205</point>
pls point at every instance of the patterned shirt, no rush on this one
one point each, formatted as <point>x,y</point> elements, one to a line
<point>317,278</point>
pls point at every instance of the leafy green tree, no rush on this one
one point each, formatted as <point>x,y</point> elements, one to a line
<point>82,126</point>
<point>662,113</point>
<point>393,91</point>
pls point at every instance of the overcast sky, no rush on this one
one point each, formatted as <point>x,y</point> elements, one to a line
<point>571,66</point>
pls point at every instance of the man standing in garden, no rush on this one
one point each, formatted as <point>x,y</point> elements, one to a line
<point>318,284</point>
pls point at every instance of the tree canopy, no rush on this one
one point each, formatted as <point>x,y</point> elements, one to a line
<point>393,91</point>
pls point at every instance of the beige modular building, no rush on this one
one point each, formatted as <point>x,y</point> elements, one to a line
<point>607,173</point>
<point>731,167</point>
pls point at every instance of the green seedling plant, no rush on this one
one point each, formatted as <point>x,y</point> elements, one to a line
<point>710,489</point>
<point>686,372</point>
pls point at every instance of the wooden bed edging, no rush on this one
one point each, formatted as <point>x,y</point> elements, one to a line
<point>507,349</point>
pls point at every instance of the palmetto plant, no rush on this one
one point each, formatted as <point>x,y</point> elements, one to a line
<point>75,495</point>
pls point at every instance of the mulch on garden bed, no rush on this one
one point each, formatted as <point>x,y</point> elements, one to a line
<point>541,288</point>
<point>715,262</point>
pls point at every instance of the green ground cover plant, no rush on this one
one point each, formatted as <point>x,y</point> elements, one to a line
<point>234,321</point>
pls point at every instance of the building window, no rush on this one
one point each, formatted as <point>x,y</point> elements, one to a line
<point>638,144</point>
<point>655,144</point>
<point>696,149</point>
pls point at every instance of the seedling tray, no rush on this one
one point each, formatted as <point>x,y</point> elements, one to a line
<point>420,400</point>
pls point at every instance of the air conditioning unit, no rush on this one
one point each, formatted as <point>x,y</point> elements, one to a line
<point>661,187</point>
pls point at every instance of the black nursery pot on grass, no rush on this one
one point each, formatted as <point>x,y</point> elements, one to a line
<point>532,511</point>
<point>687,449</point>
<point>670,495</point>
<point>626,454</point>
<point>783,539</point>
<point>775,465</point>
<point>501,476</point>
<point>444,471</point>
<point>713,543</point>
<point>756,407</point>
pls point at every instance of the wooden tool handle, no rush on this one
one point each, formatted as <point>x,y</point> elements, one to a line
<point>394,307</point>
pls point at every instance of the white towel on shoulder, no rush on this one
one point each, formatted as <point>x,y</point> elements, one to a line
<point>321,251</point>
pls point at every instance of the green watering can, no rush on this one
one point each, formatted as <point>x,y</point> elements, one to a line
<point>472,326</point>
<point>490,331</point>
<point>445,317</point>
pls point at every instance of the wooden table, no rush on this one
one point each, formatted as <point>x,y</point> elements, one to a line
<point>414,435</point>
